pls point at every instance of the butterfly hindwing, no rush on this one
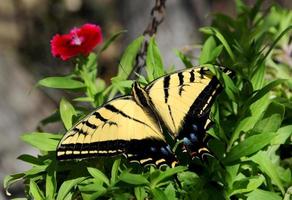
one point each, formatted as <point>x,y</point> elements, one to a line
<point>119,127</point>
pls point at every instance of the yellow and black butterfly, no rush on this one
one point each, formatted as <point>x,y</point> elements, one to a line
<point>132,125</point>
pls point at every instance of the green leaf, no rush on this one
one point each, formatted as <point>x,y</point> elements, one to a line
<point>245,124</point>
<point>207,49</point>
<point>268,167</point>
<point>282,135</point>
<point>67,186</point>
<point>42,141</point>
<point>134,179</point>
<point>249,146</point>
<point>247,184</point>
<point>100,85</point>
<point>99,175</point>
<point>263,195</point>
<point>54,117</point>
<point>35,191</point>
<point>115,170</point>
<point>111,40</point>
<point>61,83</point>
<point>158,194</point>
<point>154,64</point>
<point>210,51</point>
<point>51,182</point>
<point>67,112</point>
<point>166,174</point>
<point>231,174</point>
<point>260,93</point>
<point>257,78</point>
<point>9,180</point>
<point>84,99</point>
<point>186,61</point>
<point>30,159</point>
<point>170,192</point>
<point>272,118</point>
<point>140,193</point>
<point>128,59</point>
<point>91,189</point>
<point>216,33</point>
<point>36,170</point>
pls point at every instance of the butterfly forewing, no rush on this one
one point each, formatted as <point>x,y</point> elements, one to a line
<point>119,127</point>
<point>173,95</point>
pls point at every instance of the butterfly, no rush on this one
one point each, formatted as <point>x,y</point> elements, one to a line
<point>133,125</point>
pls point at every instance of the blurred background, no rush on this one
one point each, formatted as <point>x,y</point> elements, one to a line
<point>26,27</point>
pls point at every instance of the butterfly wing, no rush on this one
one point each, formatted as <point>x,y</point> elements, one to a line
<point>119,127</point>
<point>182,101</point>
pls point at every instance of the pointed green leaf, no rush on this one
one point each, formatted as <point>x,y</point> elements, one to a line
<point>9,180</point>
<point>244,125</point>
<point>99,175</point>
<point>140,193</point>
<point>272,118</point>
<point>158,194</point>
<point>111,40</point>
<point>207,51</point>
<point>61,83</point>
<point>263,195</point>
<point>30,159</point>
<point>282,135</point>
<point>51,183</point>
<point>67,186</point>
<point>247,184</point>
<point>186,61</point>
<point>216,33</point>
<point>42,141</point>
<point>154,64</point>
<point>262,92</point>
<point>129,57</point>
<point>170,192</point>
<point>115,170</point>
<point>268,167</point>
<point>35,191</point>
<point>67,112</point>
<point>166,174</point>
<point>134,179</point>
<point>249,146</point>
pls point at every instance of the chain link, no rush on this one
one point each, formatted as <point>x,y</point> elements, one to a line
<point>157,17</point>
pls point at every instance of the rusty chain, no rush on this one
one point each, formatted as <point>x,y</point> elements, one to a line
<point>157,17</point>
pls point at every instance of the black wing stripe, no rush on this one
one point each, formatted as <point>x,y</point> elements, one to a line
<point>101,118</point>
<point>170,113</point>
<point>115,110</point>
<point>90,125</point>
<point>181,82</point>
<point>98,116</point>
<point>192,76</point>
<point>181,78</point>
<point>165,86</point>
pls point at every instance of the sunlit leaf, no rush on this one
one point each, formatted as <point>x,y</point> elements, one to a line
<point>67,186</point>
<point>35,191</point>
<point>42,141</point>
<point>67,111</point>
<point>61,83</point>
<point>154,64</point>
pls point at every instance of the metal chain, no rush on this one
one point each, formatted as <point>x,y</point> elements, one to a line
<point>157,17</point>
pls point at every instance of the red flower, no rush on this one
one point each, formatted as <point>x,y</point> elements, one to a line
<point>79,41</point>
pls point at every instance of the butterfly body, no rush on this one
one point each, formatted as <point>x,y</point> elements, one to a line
<point>133,125</point>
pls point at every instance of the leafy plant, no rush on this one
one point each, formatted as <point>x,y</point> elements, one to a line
<point>250,125</point>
